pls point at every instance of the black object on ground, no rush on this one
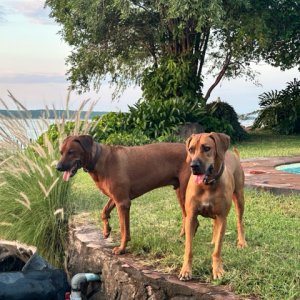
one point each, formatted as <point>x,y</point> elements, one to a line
<point>25,277</point>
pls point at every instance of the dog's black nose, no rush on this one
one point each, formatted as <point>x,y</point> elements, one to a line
<point>195,165</point>
<point>59,167</point>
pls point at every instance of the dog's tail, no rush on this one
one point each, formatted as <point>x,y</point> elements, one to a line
<point>236,152</point>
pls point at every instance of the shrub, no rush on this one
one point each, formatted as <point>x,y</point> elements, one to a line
<point>56,130</point>
<point>223,118</point>
<point>101,127</point>
<point>171,97</point>
<point>110,123</point>
<point>280,110</point>
<point>127,139</point>
<point>213,124</point>
<point>170,138</point>
<point>156,118</point>
<point>171,79</point>
<point>35,202</point>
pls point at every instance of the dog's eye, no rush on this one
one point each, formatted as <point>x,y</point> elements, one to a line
<point>205,148</point>
<point>70,152</point>
<point>191,149</point>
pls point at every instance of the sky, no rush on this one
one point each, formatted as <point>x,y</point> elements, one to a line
<point>32,67</point>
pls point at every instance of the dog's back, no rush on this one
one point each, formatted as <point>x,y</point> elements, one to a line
<point>233,164</point>
<point>149,166</point>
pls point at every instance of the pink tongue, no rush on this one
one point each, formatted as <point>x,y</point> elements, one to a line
<point>199,178</point>
<point>67,175</point>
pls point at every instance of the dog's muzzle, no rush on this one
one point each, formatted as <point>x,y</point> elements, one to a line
<point>69,170</point>
<point>197,167</point>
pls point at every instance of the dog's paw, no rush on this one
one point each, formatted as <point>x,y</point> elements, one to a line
<point>241,244</point>
<point>218,271</point>
<point>118,251</point>
<point>185,274</point>
<point>106,232</point>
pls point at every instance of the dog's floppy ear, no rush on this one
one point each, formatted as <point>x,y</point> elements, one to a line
<point>86,142</point>
<point>187,145</point>
<point>222,142</point>
<point>187,142</point>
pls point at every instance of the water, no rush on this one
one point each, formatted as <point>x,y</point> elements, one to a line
<point>32,128</point>
<point>291,168</point>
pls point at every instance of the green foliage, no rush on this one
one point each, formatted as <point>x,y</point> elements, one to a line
<point>35,202</point>
<point>123,38</point>
<point>171,79</point>
<point>170,138</point>
<point>213,124</point>
<point>56,130</point>
<point>127,139</point>
<point>223,118</point>
<point>101,128</point>
<point>280,110</point>
<point>156,117</point>
<point>110,123</point>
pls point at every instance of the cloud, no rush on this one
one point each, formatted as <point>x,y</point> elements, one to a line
<point>3,13</point>
<point>35,78</point>
<point>32,9</point>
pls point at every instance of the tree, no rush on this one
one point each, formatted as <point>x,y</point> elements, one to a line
<point>280,110</point>
<point>133,40</point>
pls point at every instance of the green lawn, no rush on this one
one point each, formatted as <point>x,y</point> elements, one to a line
<point>266,144</point>
<point>268,268</point>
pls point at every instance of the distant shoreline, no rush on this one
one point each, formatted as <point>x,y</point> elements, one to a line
<point>49,114</point>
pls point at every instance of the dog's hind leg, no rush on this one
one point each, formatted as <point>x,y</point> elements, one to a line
<point>214,232</point>
<point>105,215</point>
<point>181,199</point>
<point>238,200</point>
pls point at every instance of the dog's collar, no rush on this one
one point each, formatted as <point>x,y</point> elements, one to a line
<point>92,163</point>
<point>208,181</point>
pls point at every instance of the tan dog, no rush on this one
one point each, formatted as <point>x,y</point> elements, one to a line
<point>217,178</point>
<point>125,173</point>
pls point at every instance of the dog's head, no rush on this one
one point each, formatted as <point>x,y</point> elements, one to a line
<point>75,153</point>
<point>206,153</point>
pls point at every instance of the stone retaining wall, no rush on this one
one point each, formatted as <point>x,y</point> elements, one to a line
<point>124,277</point>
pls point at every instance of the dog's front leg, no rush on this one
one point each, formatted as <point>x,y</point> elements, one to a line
<point>191,224</point>
<point>123,208</point>
<point>105,215</point>
<point>219,231</point>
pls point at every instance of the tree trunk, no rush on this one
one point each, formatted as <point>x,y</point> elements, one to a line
<point>219,77</point>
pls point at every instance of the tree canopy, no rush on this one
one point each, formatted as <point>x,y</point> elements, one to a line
<point>128,40</point>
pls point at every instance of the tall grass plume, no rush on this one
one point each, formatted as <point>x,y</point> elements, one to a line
<point>35,203</point>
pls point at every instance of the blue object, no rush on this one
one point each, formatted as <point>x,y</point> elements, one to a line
<point>33,285</point>
<point>291,168</point>
<point>37,280</point>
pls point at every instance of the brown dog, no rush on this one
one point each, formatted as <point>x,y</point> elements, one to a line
<point>217,178</point>
<point>125,173</point>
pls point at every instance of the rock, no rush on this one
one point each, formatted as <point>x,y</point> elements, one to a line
<point>125,277</point>
<point>14,255</point>
<point>188,129</point>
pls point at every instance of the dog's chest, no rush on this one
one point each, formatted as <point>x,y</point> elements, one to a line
<point>206,209</point>
<point>206,204</point>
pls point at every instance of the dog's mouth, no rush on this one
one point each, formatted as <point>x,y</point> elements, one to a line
<point>200,176</point>
<point>70,173</point>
